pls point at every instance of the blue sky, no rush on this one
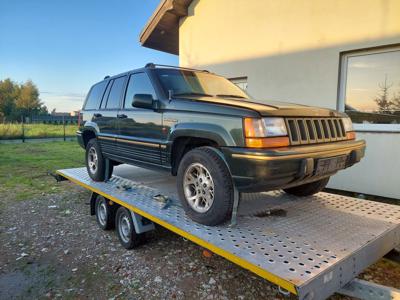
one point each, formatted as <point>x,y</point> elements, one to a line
<point>66,46</point>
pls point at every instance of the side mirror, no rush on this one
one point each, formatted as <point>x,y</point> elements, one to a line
<point>143,101</point>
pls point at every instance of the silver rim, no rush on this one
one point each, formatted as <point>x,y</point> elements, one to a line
<point>198,187</point>
<point>92,160</point>
<point>102,213</point>
<point>124,228</point>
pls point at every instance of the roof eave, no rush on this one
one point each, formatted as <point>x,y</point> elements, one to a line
<point>162,30</point>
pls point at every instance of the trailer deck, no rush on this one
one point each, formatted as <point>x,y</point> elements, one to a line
<point>312,246</point>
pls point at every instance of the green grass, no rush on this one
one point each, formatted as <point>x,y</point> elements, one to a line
<point>14,131</point>
<point>24,167</point>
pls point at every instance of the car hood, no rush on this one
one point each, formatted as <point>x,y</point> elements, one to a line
<point>273,108</point>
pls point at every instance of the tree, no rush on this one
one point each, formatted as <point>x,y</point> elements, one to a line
<point>9,91</point>
<point>396,101</point>
<point>384,104</point>
<point>28,99</point>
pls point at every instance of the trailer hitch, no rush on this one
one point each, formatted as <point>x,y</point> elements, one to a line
<point>56,176</point>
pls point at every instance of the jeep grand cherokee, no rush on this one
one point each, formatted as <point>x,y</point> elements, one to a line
<point>213,136</point>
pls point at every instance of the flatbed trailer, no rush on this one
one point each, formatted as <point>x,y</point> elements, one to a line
<point>311,247</point>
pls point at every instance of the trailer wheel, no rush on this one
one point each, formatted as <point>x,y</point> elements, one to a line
<point>205,186</point>
<point>95,161</point>
<point>126,230</point>
<point>105,213</point>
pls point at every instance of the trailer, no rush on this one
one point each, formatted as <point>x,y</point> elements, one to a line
<point>311,247</point>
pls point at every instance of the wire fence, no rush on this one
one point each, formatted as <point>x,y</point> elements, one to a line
<point>39,127</point>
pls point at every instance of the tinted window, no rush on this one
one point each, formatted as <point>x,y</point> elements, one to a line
<point>184,82</point>
<point>105,96</point>
<point>95,94</point>
<point>139,83</point>
<point>116,92</point>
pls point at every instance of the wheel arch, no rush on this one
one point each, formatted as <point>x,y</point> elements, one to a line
<point>88,134</point>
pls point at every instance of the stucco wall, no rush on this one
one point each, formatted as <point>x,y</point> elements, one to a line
<point>290,51</point>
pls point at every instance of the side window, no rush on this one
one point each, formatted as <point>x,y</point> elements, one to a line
<point>115,93</point>
<point>95,95</point>
<point>139,83</point>
<point>106,93</point>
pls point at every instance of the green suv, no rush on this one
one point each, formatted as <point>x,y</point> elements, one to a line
<point>213,136</point>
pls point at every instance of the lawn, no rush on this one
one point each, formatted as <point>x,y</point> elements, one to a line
<point>24,167</point>
<point>14,131</point>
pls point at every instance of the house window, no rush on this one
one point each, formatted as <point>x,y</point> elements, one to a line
<point>241,82</point>
<point>369,89</point>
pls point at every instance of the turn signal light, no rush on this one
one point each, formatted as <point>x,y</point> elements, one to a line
<point>351,135</point>
<point>270,142</point>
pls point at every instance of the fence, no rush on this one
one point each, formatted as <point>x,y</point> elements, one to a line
<point>39,127</point>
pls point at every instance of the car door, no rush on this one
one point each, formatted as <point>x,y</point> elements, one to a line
<point>106,118</point>
<point>140,129</point>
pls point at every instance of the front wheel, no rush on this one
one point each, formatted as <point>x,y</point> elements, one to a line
<point>205,186</point>
<point>308,188</point>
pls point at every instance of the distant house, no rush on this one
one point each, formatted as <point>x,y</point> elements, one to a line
<point>332,54</point>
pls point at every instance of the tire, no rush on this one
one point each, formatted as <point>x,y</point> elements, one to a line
<point>308,188</point>
<point>95,161</point>
<point>105,213</point>
<point>214,207</point>
<point>126,230</point>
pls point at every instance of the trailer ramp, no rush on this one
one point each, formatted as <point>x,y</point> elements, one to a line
<point>311,246</point>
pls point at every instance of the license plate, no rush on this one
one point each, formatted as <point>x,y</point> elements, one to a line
<point>330,165</point>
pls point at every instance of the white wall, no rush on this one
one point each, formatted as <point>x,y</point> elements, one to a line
<point>290,51</point>
<point>379,172</point>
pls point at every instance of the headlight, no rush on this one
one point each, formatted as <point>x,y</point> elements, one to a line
<point>266,127</point>
<point>348,125</point>
<point>348,128</point>
<point>265,132</point>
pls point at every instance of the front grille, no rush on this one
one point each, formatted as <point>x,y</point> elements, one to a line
<point>315,130</point>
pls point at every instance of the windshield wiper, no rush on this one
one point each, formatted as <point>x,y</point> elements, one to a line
<point>232,96</point>
<point>192,94</point>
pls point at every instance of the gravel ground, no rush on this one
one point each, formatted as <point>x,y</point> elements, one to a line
<point>51,248</point>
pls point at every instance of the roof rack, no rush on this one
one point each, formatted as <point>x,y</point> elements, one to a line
<point>153,66</point>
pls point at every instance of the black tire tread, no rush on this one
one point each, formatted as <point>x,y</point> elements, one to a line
<point>100,174</point>
<point>226,203</point>
<point>308,189</point>
<point>136,239</point>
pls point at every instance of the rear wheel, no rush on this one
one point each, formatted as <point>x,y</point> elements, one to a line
<point>95,162</point>
<point>308,188</point>
<point>126,230</point>
<point>205,186</point>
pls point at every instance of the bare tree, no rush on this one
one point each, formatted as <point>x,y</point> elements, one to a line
<point>382,99</point>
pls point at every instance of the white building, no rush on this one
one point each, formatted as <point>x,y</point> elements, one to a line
<point>336,54</point>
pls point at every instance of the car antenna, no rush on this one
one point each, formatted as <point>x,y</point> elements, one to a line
<point>170,95</point>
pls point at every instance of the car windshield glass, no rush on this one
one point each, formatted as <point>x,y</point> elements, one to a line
<point>191,84</point>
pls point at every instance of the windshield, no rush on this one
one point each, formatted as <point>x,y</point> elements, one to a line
<point>192,83</point>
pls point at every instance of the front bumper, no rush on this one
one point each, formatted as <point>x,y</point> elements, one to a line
<point>255,170</point>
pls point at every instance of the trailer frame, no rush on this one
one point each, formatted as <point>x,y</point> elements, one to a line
<point>311,247</point>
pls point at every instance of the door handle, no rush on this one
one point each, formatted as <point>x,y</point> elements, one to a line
<point>97,115</point>
<point>122,116</point>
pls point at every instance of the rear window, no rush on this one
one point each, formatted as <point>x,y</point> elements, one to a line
<point>95,95</point>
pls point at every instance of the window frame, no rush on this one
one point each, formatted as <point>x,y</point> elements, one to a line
<point>343,70</point>
<point>243,79</point>
<point>127,86</point>
<point>112,80</point>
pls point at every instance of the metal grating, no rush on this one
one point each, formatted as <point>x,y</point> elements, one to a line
<point>315,130</point>
<point>319,244</point>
